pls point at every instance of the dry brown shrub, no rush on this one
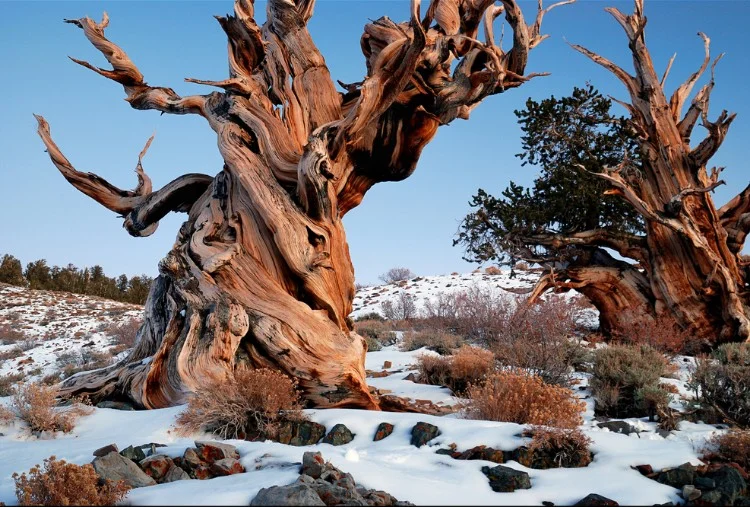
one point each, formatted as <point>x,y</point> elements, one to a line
<point>251,404</point>
<point>8,381</point>
<point>525,399</point>
<point>35,404</point>
<point>661,333</point>
<point>555,448</point>
<point>730,447</point>
<point>125,333</point>
<point>493,270</point>
<point>378,333</point>
<point>62,483</point>
<point>11,353</point>
<point>723,381</point>
<point>11,334</point>
<point>468,365</point>
<point>521,266</point>
<point>436,340</point>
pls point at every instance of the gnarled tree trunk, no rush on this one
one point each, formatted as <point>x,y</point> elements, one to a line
<point>689,262</point>
<point>260,273</point>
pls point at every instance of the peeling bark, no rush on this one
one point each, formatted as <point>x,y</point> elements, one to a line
<point>260,273</point>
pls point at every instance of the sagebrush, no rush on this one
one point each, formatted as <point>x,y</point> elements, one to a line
<point>467,366</point>
<point>723,382</point>
<point>36,405</point>
<point>557,448</point>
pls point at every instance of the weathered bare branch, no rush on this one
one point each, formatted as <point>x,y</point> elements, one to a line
<point>681,94</point>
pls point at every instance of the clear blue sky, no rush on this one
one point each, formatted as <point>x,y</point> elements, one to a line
<point>410,223</point>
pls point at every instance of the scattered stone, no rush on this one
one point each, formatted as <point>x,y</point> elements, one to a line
<point>299,433</point>
<point>117,405</point>
<point>339,435</point>
<point>618,427</point>
<point>677,477</point>
<point>293,494</point>
<point>226,466</point>
<point>115,467</point>
<point>422,433</point>
<point>190,458</point>
<point>175,474</point>
<point>595,500</point>
<point>387,364</point>
<point>157,466</point>
<point>313,464</point>
<point>133,453</point>
<point>729,483</point>
<point>690,492</point>
<point>384,429</point>
<point>645,470</point>
<point>484,453</point>
<point>505,479</point>
<point>214,451</point>
<point>704,483</point>
<point>103,451</point>
<point>546,503</point>
<point>201,473</point>
<point>412,377</point>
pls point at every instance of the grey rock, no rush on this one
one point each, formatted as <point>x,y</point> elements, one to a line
<point>384,429</point>
<point>299,433</point>
<point>505,479</point>
<point>339,435</point>
<point>214,451</point>
<point>103,451</point>
<point>115,467</point>
<point>618,427</point>
<point>226,466</point>
<point>729,483</point>
<point>176,474</point>
<point>422,433</point>
<point>690,492</point>
<point>677,477</point>
<point>117,405</point>
<point>596,500</point>
<point>704,483</point>
<point>293,494</point>
<point>313,464</point>
<point>133,453</point>
<point>150,448</point>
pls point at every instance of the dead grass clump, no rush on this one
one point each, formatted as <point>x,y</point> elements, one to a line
<point>35,404</point>
<point>11,353</point>
<point>525,399</point>
<point>493,270</point>
<point>8,381</point>
<point>557,448</point>
<point>436,340</point>
<point>251,404</point>
<point>730,447</point>
<point>62,483</point>
<point>661,333</point>
<point>11,334</point>
<point>620,373</point>
<point>125,333</point>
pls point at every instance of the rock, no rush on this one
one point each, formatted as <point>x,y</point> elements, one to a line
<point>133,453</point>
<point>117,405</point>
<point>484,453</point>
<point>547,503</point>
<point>447,452</point>
<point>596,500</point>
<point>214,451</point>
<point>226,466</point>
<point>150,448</point>
<point>384,430</point>
<point>677,477</point>
<point>710,498</point>
<point>103,451</point>
<point>387,364</point>
<point>337,494</point>
<point>412,377</point>
<point>299,433</point>
<point>191,459</point>
<point>729,483</point>
<point>690,492</point>
<point>704,483</point>
<point>313,464</point>
<point>157,466</point>
<point>175,474</point>
<point>422,433</point>
<point>618,427</point>
<point>115,467</point>
<point>645,469</point>
<point>293,494</point>
<point>505,479</point>
<point>339,435</point>
<point>663,433</point>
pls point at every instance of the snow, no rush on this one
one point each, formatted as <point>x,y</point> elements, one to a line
<point>415,474</point>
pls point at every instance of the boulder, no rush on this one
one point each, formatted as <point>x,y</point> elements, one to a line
<point>729,483</point>
<point>115,467</point>
<point>384,429</point>
<point>339,435</point>
<point>704,483</point>
<point>157,466</point>
<point>422,433</point>
<point>226,466</point>
<point>690,492</point>
<point>482,452</point>
<point>191,459</point>
<point>293,494</point>
<point>677,477</point>
<point>133,453</point>
<point>175,474</point>
<point>505,479</point>
<point>596,500</point>
<point>299,433</point>
<point>215,451</point>
<point>103,451</point>
<point>313,464</point>
<point>618,427</point>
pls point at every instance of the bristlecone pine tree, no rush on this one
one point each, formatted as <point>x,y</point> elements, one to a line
<point>260,273</point>
<point>636,186</point>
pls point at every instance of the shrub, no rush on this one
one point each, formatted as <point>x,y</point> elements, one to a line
<point>34,403</point>
<point>27,344</point>
<point>251,404</point>
<point>8,381</point>
<point>654,400</point>
<point>619,372</point>
<point>661,333</point>
<point>125,333</point>
<point>11,334</point>
<point>396,275</point>
<point>373,345</point>
<point>467,366</point>
<point>370,316</point>
<point>521,266</point>
<point>62,483</point>
<point>557,448</point>
<point>439,341</point>
<point>377,333</point>
<point>525,399</point>
<point>11,353</point>
<point>723,382</point>
<point>493,270</point>
<point>540,338</point>
<point>403,308</point>
<point>730,447</point>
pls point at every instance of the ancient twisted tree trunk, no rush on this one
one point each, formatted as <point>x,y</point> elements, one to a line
<point>260,273</point>
<point>689,262</point>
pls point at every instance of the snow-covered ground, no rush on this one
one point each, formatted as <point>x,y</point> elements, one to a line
<point>415,474</point>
